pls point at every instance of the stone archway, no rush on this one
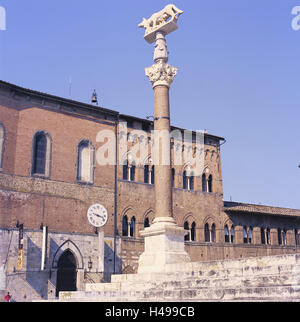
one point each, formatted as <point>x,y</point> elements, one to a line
<point>66,278</point>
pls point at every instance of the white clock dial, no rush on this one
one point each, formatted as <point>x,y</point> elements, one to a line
<point>97,215</point>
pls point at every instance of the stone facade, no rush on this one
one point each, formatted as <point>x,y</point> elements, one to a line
<point>59,199</point>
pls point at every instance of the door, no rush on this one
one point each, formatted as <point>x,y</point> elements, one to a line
<point>66,273</point>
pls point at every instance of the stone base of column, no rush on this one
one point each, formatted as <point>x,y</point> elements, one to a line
<point>164,244</point>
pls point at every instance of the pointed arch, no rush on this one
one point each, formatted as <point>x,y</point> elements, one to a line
<point>72,247</point>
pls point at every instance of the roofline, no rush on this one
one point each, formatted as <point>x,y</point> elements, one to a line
<point>236,204</point>
<point>172,126</point>
<point>89,106</point>
<point>58,98</point>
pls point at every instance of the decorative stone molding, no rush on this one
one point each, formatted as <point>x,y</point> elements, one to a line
<point>161,74</point>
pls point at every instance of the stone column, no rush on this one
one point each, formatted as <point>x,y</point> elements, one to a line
<point>164,240</point>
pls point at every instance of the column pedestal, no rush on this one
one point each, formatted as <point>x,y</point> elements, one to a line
<point>164,244</point>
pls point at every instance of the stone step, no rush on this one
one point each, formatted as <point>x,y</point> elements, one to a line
<point>274,293</point>
<point>284,279</point>
<point>231,273</point>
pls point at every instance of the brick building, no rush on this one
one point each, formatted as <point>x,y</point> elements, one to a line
<point>50,175</point>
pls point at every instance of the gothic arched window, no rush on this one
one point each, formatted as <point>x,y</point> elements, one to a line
<point>85,162</point>
<point>125,226</point>
<point>226,234</point>
<point>186,227</point>
<point>206,233</point>
<point>41,155</point>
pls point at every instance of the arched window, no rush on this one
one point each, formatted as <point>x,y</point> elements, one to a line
<point>213,233</point>
<point>209,184</point>
<point>203,182</point>
<point>146,222</point>
<point>262,235</point>
<point>41,154</point>
<point>186,227</point>
<point>193,231</point>
<point>85,162</point>
<point>226,234</point>
<point>132,227</point>
<point>232,234</point>
<point>2,138</point>
<point>206,233</point>
<point>125,226</point>
<point>188,180</point>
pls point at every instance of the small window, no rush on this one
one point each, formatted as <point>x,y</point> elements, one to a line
<point>213,233</point>
<point>296,237</point>
<point>125,226</point>
<point>193,231</point>
<point>284,237</point>
<point>209,184</point>
<point>184,180</point>
<point>203,182</point>
<point>146,222</point>
<point>226,234</point>
<point>132,227</point>
<point>232,234</point>
<point>279,236</point>
<point>206,233</point>
<point>132,172</point>
<point>262,235</point>
<point>186,227</point>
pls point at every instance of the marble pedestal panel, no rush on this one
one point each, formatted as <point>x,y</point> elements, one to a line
<point>164,244</point>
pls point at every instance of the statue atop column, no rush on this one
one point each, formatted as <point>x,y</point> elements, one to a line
<point>164,21</point>
<point>157,27</point>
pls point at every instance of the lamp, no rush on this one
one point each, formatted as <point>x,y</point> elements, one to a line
<point>90,265</point>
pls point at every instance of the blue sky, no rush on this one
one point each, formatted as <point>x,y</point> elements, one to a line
<point>238,75</point>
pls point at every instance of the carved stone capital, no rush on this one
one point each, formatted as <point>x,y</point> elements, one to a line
<point>161,74</point>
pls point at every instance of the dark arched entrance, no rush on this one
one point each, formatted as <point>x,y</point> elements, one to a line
<point>66,273</point>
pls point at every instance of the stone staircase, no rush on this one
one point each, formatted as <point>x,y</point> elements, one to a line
<point>268,278</point>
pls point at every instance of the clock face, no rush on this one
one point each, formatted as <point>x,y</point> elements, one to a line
<point>97,215</point>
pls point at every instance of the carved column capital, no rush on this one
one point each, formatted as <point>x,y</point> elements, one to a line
<point>161,74</point>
